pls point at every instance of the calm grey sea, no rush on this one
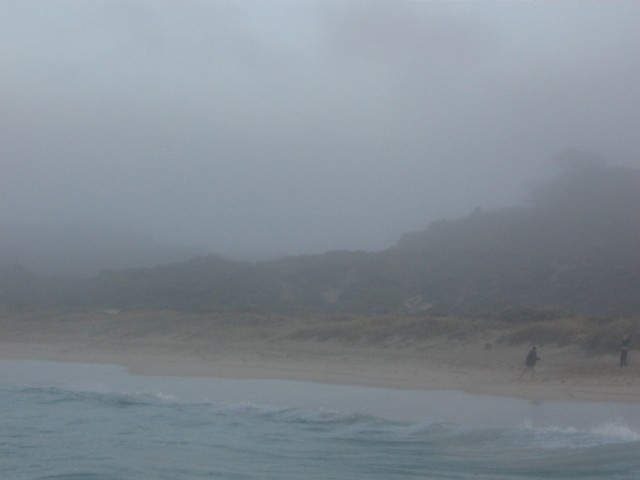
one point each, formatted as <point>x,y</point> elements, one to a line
<point>97,422</point>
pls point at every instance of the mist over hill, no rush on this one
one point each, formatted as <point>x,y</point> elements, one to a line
<point>573,247</point>
<point>84,249</point>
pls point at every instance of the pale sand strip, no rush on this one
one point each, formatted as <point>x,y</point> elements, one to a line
<point>178,345</point>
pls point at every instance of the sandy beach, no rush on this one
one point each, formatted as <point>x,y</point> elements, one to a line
<point>336,350</point>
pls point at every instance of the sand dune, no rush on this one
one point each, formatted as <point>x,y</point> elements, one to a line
<point>376,351</point>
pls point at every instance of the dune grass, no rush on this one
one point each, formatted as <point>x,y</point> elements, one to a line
<point>594,335</point>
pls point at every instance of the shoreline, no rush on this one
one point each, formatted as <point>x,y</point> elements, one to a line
<point>342,368</point>
<point>176,347</point>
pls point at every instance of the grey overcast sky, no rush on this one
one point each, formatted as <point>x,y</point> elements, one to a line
<point>302,126</point>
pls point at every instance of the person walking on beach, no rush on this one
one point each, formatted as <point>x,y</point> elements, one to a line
<point>624,350</point>
<point>530,361</point>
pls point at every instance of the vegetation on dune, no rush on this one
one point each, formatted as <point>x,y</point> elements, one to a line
<point>201,331</point>
<point>595,335</point>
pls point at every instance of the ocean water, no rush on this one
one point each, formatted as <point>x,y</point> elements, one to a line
<point>97,422</point>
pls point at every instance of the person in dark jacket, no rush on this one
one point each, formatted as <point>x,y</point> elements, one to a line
<point>624,350</point>
<point>530,361</point>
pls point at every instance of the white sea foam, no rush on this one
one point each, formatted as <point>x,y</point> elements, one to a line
<point>616,432</point>
<point>554,437</point>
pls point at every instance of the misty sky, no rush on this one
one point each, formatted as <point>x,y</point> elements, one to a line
<point>301,126</point>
